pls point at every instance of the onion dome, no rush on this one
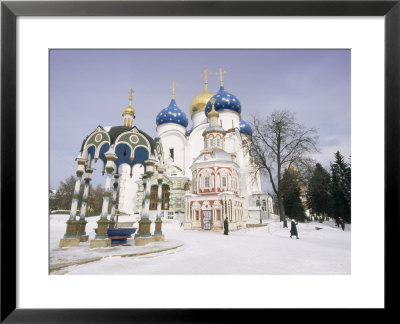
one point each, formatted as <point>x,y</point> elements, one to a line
<point>199,101</point>
<point>172,114</point>
<point>245,128</point>
<point>213,112</point>
<point>224,101</point>
<point>129,110</point>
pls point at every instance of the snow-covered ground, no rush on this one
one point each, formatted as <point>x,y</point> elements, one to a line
<point>263,250</point>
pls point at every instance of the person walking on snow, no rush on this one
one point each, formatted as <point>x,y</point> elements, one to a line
<point>293,229</point>
<point>226,226</point>
<point>341,223</point>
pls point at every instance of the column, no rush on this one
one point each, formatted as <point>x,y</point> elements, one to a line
<point>82,222</point>
<point>145,222</point>
<point>224,208</point>
<point>146,195</point>
<point>102,223</point>
<point>71,231</point>
<point>114,201</point>
<point>158,222</point>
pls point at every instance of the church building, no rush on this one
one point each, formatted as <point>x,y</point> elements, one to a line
<point>215,183</point>
<point>183,146</point>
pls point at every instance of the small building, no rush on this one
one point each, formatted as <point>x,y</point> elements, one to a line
<point>215,184</point>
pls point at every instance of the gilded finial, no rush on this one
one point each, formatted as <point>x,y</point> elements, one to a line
<point>129,110</point>
<point>130,97</point>
<point>213,112</point>
<point>221,76</point>
<point>205,76</point>
<point>173,87</point>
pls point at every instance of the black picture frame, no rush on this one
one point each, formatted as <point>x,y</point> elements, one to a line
<point>10,10</point>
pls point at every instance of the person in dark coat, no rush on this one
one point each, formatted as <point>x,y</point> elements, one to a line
<point>342,224</point>
<point>293,229</point>
<point>226,226</point>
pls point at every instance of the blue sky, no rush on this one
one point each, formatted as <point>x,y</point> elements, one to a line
<point>90,88</point>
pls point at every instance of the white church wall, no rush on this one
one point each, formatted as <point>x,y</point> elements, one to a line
<point>199,118</point>
<point>173,138</point>
<point>128,188</point>
<point>196,144</point>
<point>229,119</point>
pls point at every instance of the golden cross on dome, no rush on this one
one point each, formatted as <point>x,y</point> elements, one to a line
<point>205,75</point>
<point>221,76</point>
<point>173,87</point>
<point>130,97</point>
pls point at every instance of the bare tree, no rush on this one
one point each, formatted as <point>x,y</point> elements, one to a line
<point>278,141</point>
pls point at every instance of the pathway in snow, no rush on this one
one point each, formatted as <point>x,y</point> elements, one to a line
<point>265,250</point>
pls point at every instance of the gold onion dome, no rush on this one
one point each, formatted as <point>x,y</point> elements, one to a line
<point>199,101</point>
<point>129,110</point>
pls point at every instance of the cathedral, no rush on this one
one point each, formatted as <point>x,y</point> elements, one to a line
<point>205,173</point>
<point>200,175</point>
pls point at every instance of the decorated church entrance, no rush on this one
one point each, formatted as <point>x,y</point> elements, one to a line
<point>207,220</point>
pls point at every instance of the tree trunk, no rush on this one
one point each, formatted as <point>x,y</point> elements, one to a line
<point>282,214</point>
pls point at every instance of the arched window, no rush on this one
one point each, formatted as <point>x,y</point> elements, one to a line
<point>207,182</point>
<point>165,197</point>
<point>223,181</point>
<point>153,197</point>
<point>264,205</point>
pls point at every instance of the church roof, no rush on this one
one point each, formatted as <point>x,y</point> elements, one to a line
<point>115,131</point>
<point>172,114</point>
<point>224,101</point>
<point>213,129</point>
<point>216,155</point>
<point>245,128</point>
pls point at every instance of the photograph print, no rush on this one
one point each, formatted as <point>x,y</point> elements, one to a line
<point>200,162</point>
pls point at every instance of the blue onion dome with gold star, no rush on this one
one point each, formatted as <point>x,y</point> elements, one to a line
<point>245,128</point>
<point>223,99</point>
<point>172,114</point>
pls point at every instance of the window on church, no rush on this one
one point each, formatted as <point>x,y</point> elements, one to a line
<point>153,197</point>
<point>206,182</point>
<point>218,142</point>
<point>257,202</point>
<point>264,205</point>
<point>218,214</point>
<point>171,153</point>
<point>196,213</point>
<point>165,197</point>
<point>223,181</point>
<point>206,144</point>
